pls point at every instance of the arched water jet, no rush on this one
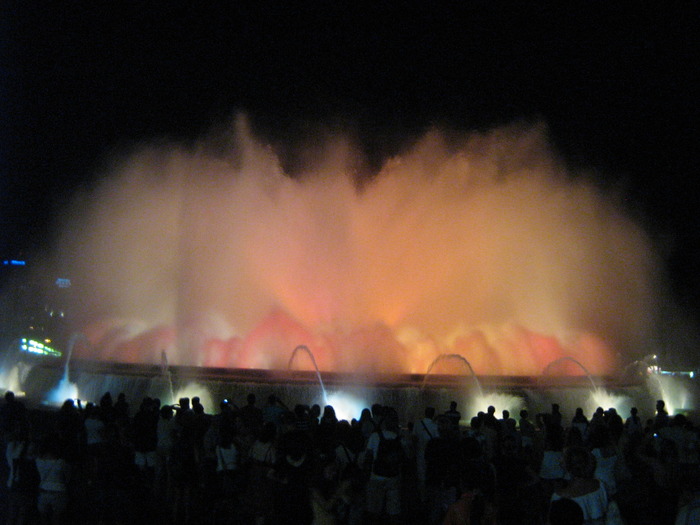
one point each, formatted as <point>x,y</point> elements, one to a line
<point>576,362</point>
<point>599,396</point>
<point>460,359</point>
<point>313,361</point>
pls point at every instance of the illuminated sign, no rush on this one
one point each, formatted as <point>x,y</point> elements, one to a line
<point>14,262</point>
<point>35,347</point>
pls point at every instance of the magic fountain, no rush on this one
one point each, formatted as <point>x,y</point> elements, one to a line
<point>465,269</point>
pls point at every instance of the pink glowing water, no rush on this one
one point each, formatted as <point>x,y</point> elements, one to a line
<point>485,247</point>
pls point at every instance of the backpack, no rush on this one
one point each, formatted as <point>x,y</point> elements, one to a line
<point>389,457</point>
<point>25,476</point>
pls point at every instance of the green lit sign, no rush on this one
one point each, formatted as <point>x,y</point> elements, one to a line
<point>35,347</point>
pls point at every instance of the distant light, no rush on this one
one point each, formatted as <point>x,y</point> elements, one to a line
<point>35,347</point>
<point>14,262</point>
<point>63,283</point>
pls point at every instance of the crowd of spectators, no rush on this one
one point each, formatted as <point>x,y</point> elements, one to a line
<point>109,462</point>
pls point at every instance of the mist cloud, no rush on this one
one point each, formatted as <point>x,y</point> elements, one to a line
<point>484,246</point>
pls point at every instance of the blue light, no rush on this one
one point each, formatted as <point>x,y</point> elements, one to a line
<point>63,283</point>
<point>14,262</point>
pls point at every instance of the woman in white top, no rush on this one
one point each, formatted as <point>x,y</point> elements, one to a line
<point>228,463</point>
<point>583,488</point>
<point>551,469</point>
<point>53,487</point>
<point>606,457</point>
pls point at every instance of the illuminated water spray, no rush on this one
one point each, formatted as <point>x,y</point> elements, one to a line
<point>485,247</point>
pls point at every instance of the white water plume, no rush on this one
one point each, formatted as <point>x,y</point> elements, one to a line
<point>485,247</point>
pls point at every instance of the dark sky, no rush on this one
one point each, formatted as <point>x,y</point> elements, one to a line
<point>79,81</point>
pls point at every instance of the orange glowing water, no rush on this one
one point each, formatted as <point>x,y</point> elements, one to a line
<point>486,247</point>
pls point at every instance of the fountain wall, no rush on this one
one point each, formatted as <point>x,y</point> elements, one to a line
<point>410,394</point>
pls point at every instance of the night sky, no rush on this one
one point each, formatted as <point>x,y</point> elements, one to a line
<point>80,82</point>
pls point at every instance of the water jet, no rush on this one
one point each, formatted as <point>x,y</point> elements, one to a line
<point>304,348</point>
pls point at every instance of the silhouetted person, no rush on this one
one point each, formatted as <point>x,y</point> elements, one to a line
<point>71,431</point>
<point>489,418</point>
<point>633,424</point>
<point>145,435</point>
<point>366,423</point>
<point>425,430</point>
<point>167,434</point>
<point>121,407</point>
<point>273,411</point>
<point>556,416</point>
<point>262,457</point>
<point>661,419</point>
<point>251,414</point>
<point>326,431</point>
<point>442,469</point>
<point>23,479</point>
<point>597,420</point>
<point>516,496</point>
<point>228,464</point>
<point>605,451</point>
<point>293,476</point>
<point>580,423</point>
<point>527,431</point>
<point>615,424</point>
<point>384,455</point>
<point>53,486</point>
<point>453,415</point>
<point>107,411</point>
<point>184,472</point>
<point>583,488</point>
<point>11,412</point>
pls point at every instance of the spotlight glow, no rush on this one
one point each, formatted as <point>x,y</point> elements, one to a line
<point>500,401</point>
<point>346,406</point>
<point>197,390</point>
<point>63,391</point>
<point>600,397</point>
